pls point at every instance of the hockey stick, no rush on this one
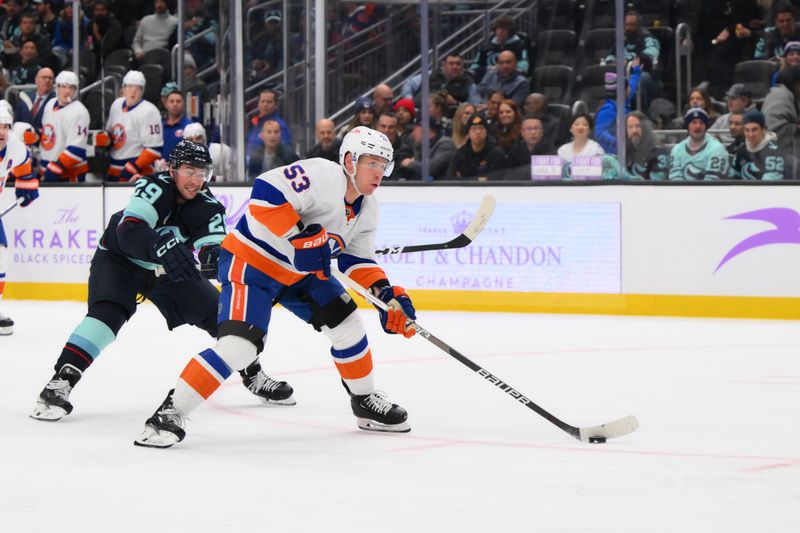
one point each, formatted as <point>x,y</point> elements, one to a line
<point>593,434</point>
<point>479,221</point>
<point>5,211</point>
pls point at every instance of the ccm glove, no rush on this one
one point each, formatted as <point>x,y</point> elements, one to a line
<point>209,259</point>
<point>54,171</point>
<point>177,259</point>
<point>27,189</point>
<point>130,172</point>
<point>401,310</point>
<point>312,252</point>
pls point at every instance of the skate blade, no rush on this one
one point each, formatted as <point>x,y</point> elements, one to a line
<point>152,438</point>
<point>286,402</point>
<point>48,413</point>
<point>371,425</point>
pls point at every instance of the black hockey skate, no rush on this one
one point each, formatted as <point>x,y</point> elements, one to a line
<point>270,391</point>
<point>6,325</point>
<point>53,403</point>
<point>375,413</point>
<point>164,428</point>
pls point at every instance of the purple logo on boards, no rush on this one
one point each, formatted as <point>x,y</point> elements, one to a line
<point>787,230</point>
<point>460,221</point>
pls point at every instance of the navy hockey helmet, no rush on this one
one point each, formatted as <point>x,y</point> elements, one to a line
<point>191,153</point>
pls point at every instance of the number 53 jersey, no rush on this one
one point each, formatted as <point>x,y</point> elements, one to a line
<point>198,222</point>
<point>310,191</point>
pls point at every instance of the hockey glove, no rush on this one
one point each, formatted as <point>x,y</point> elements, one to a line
<point>177,259</point>
<point>131,172</point>
<point>312,251</point>
<point>27,189</point>
<point>401,310</point>
<point>54,171</point>
<point>209,259</point>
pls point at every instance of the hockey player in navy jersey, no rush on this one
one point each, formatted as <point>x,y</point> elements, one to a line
<point>700,156</point>
<point>168,216</point>
<point>15,163</point>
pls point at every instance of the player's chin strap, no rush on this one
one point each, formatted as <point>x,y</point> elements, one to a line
<point>352,177</point>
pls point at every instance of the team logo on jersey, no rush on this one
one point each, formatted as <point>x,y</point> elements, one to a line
<point>787,230</point>
<point>691,172</point>
<point>48,140</point>
<point>750,171</point>
<point>118,136</point>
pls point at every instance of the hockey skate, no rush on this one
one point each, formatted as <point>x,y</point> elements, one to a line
<point>164,428</point>
<point>53,403</point>
<point>375,413</point>
<point>270,391</point>
<point>6,325</point>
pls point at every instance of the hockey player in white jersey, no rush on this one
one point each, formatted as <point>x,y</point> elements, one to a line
<point>135,128</point>
<point>220,153</point>
<point>65,129</point>
<point>15,162</point>
<point>301,216</point>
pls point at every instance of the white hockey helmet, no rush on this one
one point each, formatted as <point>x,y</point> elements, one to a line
<point>5,106</point>
<point>66,77</point>
<point>366,141</point>
<point>5,117</point>
<point>195,129</point>
<point>134,77</point>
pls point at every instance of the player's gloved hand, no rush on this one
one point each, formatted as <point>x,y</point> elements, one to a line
<point>312,251</point>
<point>54,171</point>
<point>401,310</point>
<point>27,189</point>
<point>209,259</point>
<point>177,259</point>
<point>130,172</point>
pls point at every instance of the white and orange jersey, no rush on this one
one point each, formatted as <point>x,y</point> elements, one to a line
<point>310,191</point>
<point>15,160</point>
<point>64,136</point>
<point>136,135</point>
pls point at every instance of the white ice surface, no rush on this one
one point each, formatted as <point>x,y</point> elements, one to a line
<point>718,449</point>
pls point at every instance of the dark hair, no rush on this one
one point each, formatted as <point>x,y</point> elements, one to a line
<point>781,8</point>
<point>634,13</point>
<point>706,98</point>
<point>587,116</point>
<point>505,22</point>
<point>528,116</point>
<point>273,92</point>
<point>390,114</point>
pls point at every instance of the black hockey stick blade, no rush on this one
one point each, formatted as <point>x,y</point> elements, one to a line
<point>479,221</point>
<point>592,434</point>
<point>5,211</point>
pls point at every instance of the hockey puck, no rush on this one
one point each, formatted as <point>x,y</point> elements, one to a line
<point>597,440</point>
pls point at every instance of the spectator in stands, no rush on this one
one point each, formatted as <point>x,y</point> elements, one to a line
<point>191,83</point>
<point>739,99</point>
<point>772,44</point>
<point>62,39</point>
<point>440,154</point>
<point>267,110</point>
<point>780,110</point>
<point>13,12</point>
<point>735,131</point>
<point>759,158</point>
<point>364,115</point>
<point>492,107</point>
<point>505,77</point>
<point>438,109</point>
<point>30,105</point>
<point>480,158</point>
<point>405,111</point>
<point>642,50</point>
<point>791,57</point>
<point>387,124</point>
<point>581,144</point>
<point>505,38</point>
<point>698,97</point>
<point>451,79</point>
<point>733,27</point>
<point>272,153</point>
<point>509,126</point>
<point>198,20</point>
<point>25,72</point>
<point>154,30</point>
<point>327,146</point>
<point>27,32</point>
<point>174,120</point>
<point>382,99</point>
<point>700,156</point>
<point>554,129</point>
<point>266,51</point>
<point>531,143</point>
<point>221,154</point>
<point>644,159</point>
<point>48,16</point>
<point>461,117</point>
<point>606,118</point>
<point>105,34</point>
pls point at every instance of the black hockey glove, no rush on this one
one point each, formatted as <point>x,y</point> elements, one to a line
<point>177,259</point>
<point>209,259</point>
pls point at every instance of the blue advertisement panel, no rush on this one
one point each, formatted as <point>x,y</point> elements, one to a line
<point>561,247</point>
